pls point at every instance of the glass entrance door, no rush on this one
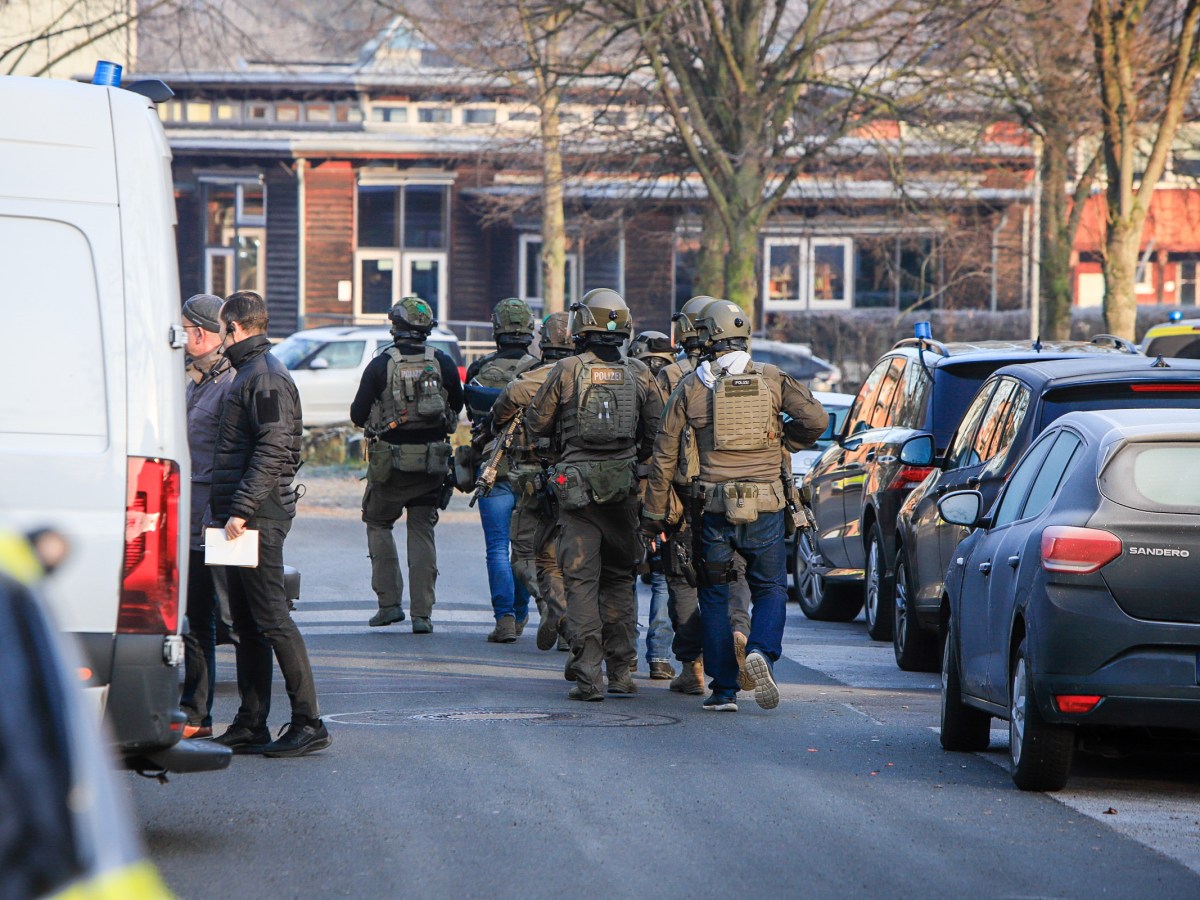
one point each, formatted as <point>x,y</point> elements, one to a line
<point>425,276</point>
<point>377,286</point>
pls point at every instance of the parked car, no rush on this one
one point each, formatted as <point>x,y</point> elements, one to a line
<point>1178,338</point>
<point>93,441</point>
<point>327,365</point>
<point>1072,603</point>
<point>855,489</point>
<point>1013,407</point>
<point>798,361</point>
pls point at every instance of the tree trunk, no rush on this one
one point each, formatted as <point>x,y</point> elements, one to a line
<point>554,229</point>
<point>710,268</point>
<point>1056,245</point>
<point>1120,275</point>
<point>741,265</point>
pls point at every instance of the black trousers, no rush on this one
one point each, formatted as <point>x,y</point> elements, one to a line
<point>258,603</point>
<point>205,593</point>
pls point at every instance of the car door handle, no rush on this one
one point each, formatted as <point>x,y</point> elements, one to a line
<point>985,568</point>
<point>1014,561</point>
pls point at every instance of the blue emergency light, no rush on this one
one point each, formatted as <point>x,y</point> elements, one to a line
<point>922,331</point>
<point>1175,315</point>
<point>108,74</point>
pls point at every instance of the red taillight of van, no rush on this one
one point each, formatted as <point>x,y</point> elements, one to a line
<point>1078,551</point>
<point>150,583</point>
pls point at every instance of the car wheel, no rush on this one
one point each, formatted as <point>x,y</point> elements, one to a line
<point>964,728</point>
<point>875,595</point>
<point>820,600</point>
<point>915,648</point>
<point>1040,753</point>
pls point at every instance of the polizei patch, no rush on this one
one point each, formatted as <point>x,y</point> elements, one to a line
<point>608,376</point>
<point>1159,551</point>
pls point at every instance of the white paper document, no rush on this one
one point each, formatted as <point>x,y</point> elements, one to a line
<point>241,551</point>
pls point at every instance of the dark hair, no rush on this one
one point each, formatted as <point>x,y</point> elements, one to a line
<point>246,308</point>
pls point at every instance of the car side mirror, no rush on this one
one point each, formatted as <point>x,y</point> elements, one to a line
<point>319,363</point>
<point>961,508</point>
<point>918,450</point>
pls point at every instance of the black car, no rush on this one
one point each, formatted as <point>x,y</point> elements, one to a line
<point>856,488</point>
<point>1013,407</point>
<point>1072,603</point>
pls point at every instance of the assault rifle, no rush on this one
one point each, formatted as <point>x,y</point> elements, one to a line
<point>491,466</point>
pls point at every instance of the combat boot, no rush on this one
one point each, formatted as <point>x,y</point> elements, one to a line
<point>547,631</point>
<point>422,625</point>
<point>387,615</point>
<point>690,679</point>
<point>621,683</point>
<point>661,670</point>
<point>588,694</point>
<point>505,631</point>
<point>745,681</point>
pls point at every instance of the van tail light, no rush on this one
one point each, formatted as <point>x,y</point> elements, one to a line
<point>1077,703</point>
<point>1078,551</point>
<point>909,477</point>
<point>150,582</point>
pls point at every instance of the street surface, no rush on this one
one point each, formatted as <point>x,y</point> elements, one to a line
<point>460,769</point>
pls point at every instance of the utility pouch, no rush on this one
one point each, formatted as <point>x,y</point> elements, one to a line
<point>430,404</point>
<point>410,458</point>
<point>437,458</point>
<point>741,502</point>
<point>464,468</point>
<point>570,487</point>
<point>611,480</point>
<point>677,558</point>
<point>379,462</point>
<point>714,574</point>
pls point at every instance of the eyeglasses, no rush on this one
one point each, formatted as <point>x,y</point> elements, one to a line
<point>190,327</point>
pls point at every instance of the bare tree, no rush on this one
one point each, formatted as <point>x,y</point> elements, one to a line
<point>1147,57</point>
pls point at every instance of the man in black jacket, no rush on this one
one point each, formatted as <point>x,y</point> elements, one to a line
<point>254,464</point>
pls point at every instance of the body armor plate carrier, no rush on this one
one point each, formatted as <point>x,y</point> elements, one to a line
<point>604,414</point>
<point>743,413</point>
<point>415,398</point>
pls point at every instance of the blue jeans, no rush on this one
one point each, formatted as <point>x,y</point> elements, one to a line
<point>509,597</point>
<point>660,634</point>
<point>761,544</point>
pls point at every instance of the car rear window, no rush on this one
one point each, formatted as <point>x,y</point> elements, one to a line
<point>295,350</point>
<point>954,388</point>
<point>1180,346</point>
<point>1158,477</point>
<point>1143,395</point>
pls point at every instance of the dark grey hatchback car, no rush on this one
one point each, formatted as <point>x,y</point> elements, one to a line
<point>1072,603</point>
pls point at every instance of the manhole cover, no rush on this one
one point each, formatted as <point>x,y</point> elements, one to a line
<point>580,719</point>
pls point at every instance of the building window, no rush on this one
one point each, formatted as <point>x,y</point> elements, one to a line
<point>807,273</point>
<point>530,284</point>
<point>199,112</point>
<point>235,235</point>
<point>228,111</point>
<point>287,112</point>
<point>1187,282</point>
<point>318,112</point>
<point>393,115</point>
<point>609,117</point>
<point>525,115</point>
<point>258,112</point>
<point>434,115</point>
<point>479,117</point>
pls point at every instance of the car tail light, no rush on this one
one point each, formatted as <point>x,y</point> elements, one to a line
<point>1078,551</point>
<point>150,583</point>
<point>909,477</point>
<point>1077,703</point>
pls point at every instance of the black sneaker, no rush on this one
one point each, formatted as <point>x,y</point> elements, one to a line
<point>293,741</point>
<point>721,702</point>
<point>242,740</point>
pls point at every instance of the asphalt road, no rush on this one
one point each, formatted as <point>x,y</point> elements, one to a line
<point>460,769</point>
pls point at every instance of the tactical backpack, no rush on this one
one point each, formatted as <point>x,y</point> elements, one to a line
<point>494,375</point>
<point>743,412</point>
<point>415,398</point>
<point>605,412</point>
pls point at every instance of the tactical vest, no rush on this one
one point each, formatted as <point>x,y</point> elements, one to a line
<point>495,374</point>
<point>528,450</point>
<point>743,411</point>
<point>689,456</point>
<point>604,412</point>
<point>415,398</point>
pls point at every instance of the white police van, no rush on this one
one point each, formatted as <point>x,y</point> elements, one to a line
<point>93,440</point>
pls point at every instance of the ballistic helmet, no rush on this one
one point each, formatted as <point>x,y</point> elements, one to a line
<point>412,317</point>
<point>684,321</point>
<point>721,323</point>
<point>601,311</point>
<point>556,333</point>
<point>653,345</point>
<point>512,316</point>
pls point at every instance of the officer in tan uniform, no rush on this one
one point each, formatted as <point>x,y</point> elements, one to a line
<point>683,603</point>
<point>534,524</point>
<point>408,401</point>
<point>734,407</point>
<point>605,409</point>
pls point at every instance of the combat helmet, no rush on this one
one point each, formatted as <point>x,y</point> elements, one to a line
<point>412,317</point>
<point>723,325</point>
<point>512,317</point>
<point>555,339</point>
<point>601,311</point>
<point>654,349</point>
<point>684,321</point>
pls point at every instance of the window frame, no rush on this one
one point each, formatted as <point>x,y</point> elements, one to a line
<point>574,274</point>
<point>806,248</point>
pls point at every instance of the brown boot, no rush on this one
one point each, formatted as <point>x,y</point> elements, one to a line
<point>690,679</point>
<point>661,670</point>
<point>745,681</point>
<point>505,631</point>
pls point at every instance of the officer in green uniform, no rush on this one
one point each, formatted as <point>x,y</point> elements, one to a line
<point>605,409</point>
<point>683,603</point>
<point>534,526</point>
<point>512,329</point>
<point>408,401</point>
<point>734,407</point>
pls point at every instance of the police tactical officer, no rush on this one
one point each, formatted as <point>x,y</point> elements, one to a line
<point>740,496</point>
<point>683,603</point>
<point>605,410</point>
<point>534,526</point>
<point>408,401</point>
<point>512,329</point>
